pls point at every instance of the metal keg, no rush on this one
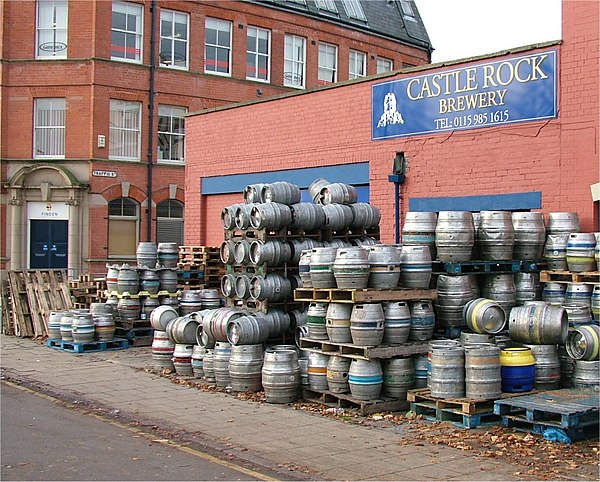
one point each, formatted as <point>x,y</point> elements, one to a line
<point>337,216</point>
<point>554,293</point>
<point>351,268</point>
<point>500,288</point>
<point>597,251</point>
<point>183,330</point>
<point>337,374</point>
<point>384,261</point>
<point>104,326</point>
<point>242,215</point>
<point>453,293</point>
<point>583,342</point>
<point>307,216</point>
<point>398,377</point>
<point>226,252</point>
<point>567,367</point>
<point>228,285</point>
<point>527,287</point>
<point>182,359</point>
<point>396,325</point>
<point>148,306</point>
<point>215,322</point>
<point>279,321</point>
<point>415,267</point>
<point>547,366</point>
<point>299,246</point>
<point>228,216</point>
<point>167,255</point>
<point>586,374</point>
<point>272,287</point>
<point>112,278</point>
<point>447,379</point>
<point>580,252</point>
<point>495,235</point>
<point>209,367</point>
<point>518,369</point>
<point>253,193</point>
<point>304,268</point>
<point>113,303</point>
<point>367,324</point>
<point>578,314</point>
<point>365,378</point>
<point>221,356</point>
<point>248,330</point>
<point>168,279</point>
<point>530,235</point>
<point>579,293</point>
<point>281,376</point>
<point>555,251</point>
<point>146,255</point>
<point>198,353</point>
<point>337,243</point>
<point>245,368</point>
<point>241,251</point>
<point>149,281</point>
<point>83,328</point>
<point>364,241</point>
<point>54,324</point>
<point>338,192</point>
<point>476,216</point>
<point>563,223</point>
<point>420,364</point>
<point>128,280</point>
<point>474,280</point>
<point>160,317</point>
<point>270,215</point>
<point>129,308</point>
<point>483,378</point>
<point>483,315</point>
<point>210,298</point>
<point>272,252</point>
<point>467,338</point>
<point>422,320</point>
<point>162,350</point>
<point>337,322</point>
<point>454,236</point>
<point>314,189</point>
<point>171,301</point>
<point>321,267</point>
<point>538,323</point>
<point>315,321</point>
<point>364,216</point>
<point>502,341</point>
<point>242,286</point>
<point>419,230</point>
<point>595,303</point>
<point>190,301</point>
<point>281,192</point>
<point>438,343</point>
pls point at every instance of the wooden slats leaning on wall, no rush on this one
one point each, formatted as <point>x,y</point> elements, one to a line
<point>32,296</point>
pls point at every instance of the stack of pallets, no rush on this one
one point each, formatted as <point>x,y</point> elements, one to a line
<point>199,267</point>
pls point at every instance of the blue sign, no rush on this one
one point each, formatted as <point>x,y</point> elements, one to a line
<point>507,91</point>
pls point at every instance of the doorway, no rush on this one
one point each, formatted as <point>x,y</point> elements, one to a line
<point>48,244</point>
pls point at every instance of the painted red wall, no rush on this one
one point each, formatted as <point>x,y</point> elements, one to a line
<point>558,157</point>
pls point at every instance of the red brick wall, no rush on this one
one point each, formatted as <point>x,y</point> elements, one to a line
<point>557,157</point>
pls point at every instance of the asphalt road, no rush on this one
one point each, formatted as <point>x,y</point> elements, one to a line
<point>43,440</point>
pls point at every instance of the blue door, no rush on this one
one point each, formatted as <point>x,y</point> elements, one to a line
<point>48,246</point>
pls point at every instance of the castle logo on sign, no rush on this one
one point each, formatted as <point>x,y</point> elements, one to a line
<point>390,115</point>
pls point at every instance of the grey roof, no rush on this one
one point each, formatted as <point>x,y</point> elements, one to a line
<point>383,17</point>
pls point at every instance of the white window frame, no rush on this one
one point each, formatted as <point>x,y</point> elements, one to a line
<point>408,11</point>
<point>354,9</point>
<point>256,55</point>
<point>55,28</point>
<point>125,130</point>
<point>167,58</point>
<point>49,128</point>
<point>172,224</point>
<point>325,67</point>
<point>218,23</point>
<point>381,61</point>
<point>171,112</point>
<point>137,34</point>
<point>326,5</point>
<point>294,61</point>
<point>126,218</point>
<point>356,60</point>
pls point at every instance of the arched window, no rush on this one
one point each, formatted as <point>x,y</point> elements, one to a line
<point>123,227</point>
<point>169,222</point>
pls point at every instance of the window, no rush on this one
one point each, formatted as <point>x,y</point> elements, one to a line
<point>257,54</point>
<point>49,128</point>
<point>52,29</point>
<point>384,65</point>
<point>171,133</point>
<point>125,118</point>
<point>354,9</point>
<point>123,227</point>
<point>407,10</point>
<point>358,64</point>
<point>126,41</point>
<point>328,5</point>
<point>217,49</point>
<point>174,39</point>
<point>169,222</point>
<point>294,61</point>
<point>327,63</point>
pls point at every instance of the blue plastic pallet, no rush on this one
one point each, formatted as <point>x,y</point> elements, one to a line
<point>93,346</point>
<point>463,420</point>
<point>552,432</point>
<point>474,267</point>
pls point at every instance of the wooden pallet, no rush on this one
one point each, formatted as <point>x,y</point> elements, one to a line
<point>335,295</point>
<point>257,306</point>
<point>463,405</point>
<point>589,277</point>
<point>363,352</point>
<point>93,346</point>
<point>345,400</point>
<point>431,412</point>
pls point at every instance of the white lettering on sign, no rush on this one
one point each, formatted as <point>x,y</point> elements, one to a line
<point>104,173</point>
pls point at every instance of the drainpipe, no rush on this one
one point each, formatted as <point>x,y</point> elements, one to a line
<point>398,178</point>
<point>153,10</point>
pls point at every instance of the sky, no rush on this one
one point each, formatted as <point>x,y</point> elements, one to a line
<point>465,28</point>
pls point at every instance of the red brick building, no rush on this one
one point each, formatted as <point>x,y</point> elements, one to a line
<point>538,152</point>
<point>95,93</point>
